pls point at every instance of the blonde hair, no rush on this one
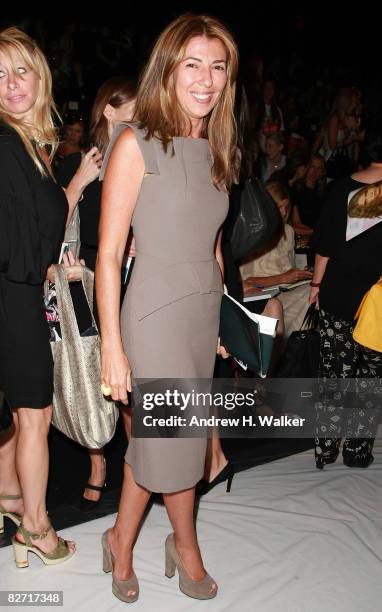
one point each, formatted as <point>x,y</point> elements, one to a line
<point>347,102</point>
<point>13,44</point>
<point>157,109</point>
<point>366,210</point>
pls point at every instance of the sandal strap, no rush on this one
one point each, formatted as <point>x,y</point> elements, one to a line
<point>94,487</point>
<point>60,551</point>
<point>10,496</point>
<point>30,535</point>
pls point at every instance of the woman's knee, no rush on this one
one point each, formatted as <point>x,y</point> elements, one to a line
<point>274,308</point>
<point>35,419</point>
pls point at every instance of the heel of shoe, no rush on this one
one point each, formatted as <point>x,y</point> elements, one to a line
<point>107,565</point>
<point>229,482</point>
<point>170,565</point>
<point>20,552</point>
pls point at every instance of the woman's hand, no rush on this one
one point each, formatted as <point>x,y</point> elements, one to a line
<point>313,298</point>
<point>72,266</point>
<point>220,350</point>
<point>250,287</point>
<point>50,276</point>
<point>294,275</point>
<point>116,374</point>
<point>89,167</point>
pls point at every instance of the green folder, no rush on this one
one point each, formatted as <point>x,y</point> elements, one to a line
<point>243,338</point>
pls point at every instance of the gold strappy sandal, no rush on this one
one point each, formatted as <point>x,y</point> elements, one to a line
<point>60,554</point>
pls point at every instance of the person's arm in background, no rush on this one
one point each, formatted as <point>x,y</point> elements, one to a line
<point>88,170</point>
<point>320,264</point>
<point>330,227</point>
<point>257,272</point>
<point>294,275</point>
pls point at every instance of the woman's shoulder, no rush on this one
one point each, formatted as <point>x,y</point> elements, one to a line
<point>9,137</point>
<point>127,140</point>
<point>13,153</point>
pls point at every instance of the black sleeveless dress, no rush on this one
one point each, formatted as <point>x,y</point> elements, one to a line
<point>33,211</point>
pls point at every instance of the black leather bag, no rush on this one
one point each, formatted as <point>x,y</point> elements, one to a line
<point>302,352</point>
<point>258,219</point>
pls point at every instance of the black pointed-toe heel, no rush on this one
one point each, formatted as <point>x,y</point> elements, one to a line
<point>227,474</point>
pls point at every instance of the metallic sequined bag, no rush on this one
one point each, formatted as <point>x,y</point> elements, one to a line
<point>80,409</point>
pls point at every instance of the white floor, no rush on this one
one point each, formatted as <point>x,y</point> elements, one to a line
<point>288,538</point>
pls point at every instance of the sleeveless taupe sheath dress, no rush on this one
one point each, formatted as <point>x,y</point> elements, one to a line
<point>170,314</point>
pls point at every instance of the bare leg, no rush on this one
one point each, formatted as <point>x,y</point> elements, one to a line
<point>122,536</point>
<point>180,509</point>
<point>274,308</point>
<point>97,474</point>
<point>9,480</point>
<point>32,464</point>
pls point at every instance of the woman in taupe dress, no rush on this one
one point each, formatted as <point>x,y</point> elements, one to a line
<point>168,176</point>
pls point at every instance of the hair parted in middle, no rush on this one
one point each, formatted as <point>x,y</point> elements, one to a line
<point>16,45</point>
<point>157,109</point>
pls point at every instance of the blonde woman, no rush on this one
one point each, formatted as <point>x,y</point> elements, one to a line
<point>341,133</point>
<point>168,175</point>
<point>33,212</point>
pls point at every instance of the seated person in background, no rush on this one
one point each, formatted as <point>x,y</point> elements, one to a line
<point>276,265</point>
<point>294,170</point>
<point>274,159</point>
<point>73,138</point>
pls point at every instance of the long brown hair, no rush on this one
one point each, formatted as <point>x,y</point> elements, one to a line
<point>158,111</point>
<point>115,91</point>
<point>15,43</point>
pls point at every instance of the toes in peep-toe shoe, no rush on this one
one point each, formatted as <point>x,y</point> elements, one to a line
<point>198,589</point>
<point>120,588</point>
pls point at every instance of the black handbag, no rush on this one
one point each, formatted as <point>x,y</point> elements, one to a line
<point>258,219</point>
<point>6,419</point>
<point>302,352</point>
